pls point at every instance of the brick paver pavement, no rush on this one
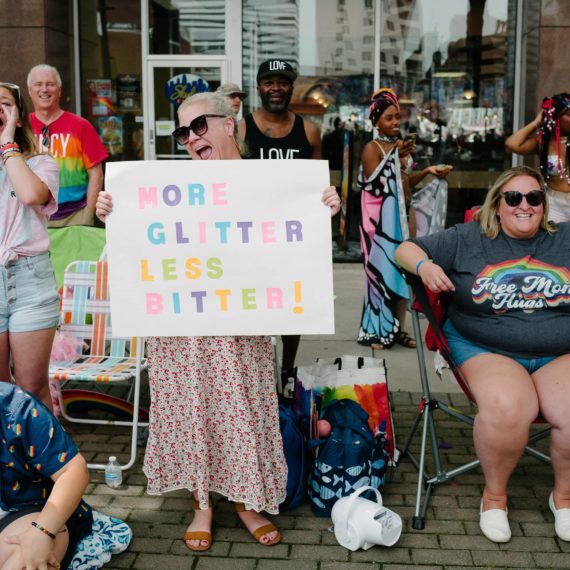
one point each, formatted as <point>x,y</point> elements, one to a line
<point>451,539</point>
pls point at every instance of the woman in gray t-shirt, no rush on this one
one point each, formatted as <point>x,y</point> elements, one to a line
<point>508,331</point>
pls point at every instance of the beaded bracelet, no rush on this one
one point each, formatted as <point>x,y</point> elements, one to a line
<point>9,146</point>
<point>7,150</point>
<point>44,530</point>
<point>10,154</point>
<point>419,264</point>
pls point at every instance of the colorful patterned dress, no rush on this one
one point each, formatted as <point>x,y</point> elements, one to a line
<point>383,228</point>
<point>214,420</point>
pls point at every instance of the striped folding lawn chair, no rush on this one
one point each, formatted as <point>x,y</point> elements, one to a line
<point>85,315</point>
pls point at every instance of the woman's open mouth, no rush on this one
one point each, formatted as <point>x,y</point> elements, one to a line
<point>204,152</point>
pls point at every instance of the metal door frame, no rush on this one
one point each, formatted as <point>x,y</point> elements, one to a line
<point>160,61</point>
<point>230,66</point>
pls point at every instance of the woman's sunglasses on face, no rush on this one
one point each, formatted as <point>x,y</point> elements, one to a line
<point>533,198</point>
<point>13,88</point>
<point>199,126</point>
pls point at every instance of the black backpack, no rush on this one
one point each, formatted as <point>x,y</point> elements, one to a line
<point>350,458</point>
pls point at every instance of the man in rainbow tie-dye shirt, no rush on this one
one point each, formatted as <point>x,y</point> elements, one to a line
<point>75,145</point>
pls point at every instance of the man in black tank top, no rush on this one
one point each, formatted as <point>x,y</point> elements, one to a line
<point>275,132</point>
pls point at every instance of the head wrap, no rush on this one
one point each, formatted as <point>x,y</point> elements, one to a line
<point>381,100</point>
<point>552,109</point>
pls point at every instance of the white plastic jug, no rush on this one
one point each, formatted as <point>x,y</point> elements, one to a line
<point>360,523</point>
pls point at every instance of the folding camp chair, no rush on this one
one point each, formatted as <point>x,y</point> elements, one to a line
<point>85,314</point>
<point>433,307</point>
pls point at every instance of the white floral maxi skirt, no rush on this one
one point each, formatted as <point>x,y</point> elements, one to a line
<point>214,420</point>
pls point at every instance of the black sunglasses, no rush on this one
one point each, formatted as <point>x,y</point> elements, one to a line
<point>199,126</point>
<point>15,88</point>
<point>45,136</point>
<point>533,198</point>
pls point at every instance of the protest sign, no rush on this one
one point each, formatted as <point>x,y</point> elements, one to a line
<point>233,247</point>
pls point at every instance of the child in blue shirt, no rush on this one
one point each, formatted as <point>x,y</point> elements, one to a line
<point>42,479</point>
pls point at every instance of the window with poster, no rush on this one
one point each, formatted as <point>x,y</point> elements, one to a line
<point>110,36</point>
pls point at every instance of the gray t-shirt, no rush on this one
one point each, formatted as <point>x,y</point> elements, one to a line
<point>511,295</point>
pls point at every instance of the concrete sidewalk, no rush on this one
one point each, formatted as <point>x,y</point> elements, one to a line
<point>451,539</point>
<point>401,362</point>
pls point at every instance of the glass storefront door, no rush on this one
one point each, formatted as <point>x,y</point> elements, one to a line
<point>170,82</point>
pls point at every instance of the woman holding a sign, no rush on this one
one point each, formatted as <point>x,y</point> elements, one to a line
<point>214,423</point>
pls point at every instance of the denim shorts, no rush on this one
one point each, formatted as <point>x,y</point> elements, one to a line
<point>462,350</point>
<point>29,300</point>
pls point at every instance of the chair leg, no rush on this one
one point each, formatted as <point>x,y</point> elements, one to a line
<point>134,431</point>
<point>134,425</point>
<point>418,520</point>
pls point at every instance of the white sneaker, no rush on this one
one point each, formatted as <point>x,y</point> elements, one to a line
<point>561,519</point>
<point>494,524</point>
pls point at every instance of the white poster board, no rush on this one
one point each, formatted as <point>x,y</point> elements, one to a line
<point>233,247</point>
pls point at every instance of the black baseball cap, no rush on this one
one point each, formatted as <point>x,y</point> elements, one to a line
<point>276,67</point>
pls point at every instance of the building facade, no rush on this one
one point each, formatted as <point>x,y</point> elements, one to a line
<point>468,72</point>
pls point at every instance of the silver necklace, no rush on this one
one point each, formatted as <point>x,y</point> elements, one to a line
<point>386,139</point>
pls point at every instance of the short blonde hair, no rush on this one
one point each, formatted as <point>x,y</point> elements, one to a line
<point>218,104</point>
<point>487,215</point>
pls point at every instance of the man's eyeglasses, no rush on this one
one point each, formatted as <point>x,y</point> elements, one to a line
<point>199,126</point>
<point>533,198</point>
<point>45,136</point>
<point>15,88</point>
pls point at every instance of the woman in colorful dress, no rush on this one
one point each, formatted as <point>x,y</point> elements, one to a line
<point>214,421</point>
<point>386,180</point>
<point>29,302</point>
<point>548,137</point>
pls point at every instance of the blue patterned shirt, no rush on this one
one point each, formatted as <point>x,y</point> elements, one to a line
<point>33,446</point>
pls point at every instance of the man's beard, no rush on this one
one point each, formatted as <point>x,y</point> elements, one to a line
<point>280,107</point>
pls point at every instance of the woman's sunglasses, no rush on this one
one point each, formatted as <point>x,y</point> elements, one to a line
<point>533,198</point>
<point>199,126</point>
<point>15,89</point>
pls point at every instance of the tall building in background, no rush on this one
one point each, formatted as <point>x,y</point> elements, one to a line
<point>346,37</point>
<point>270,30</point>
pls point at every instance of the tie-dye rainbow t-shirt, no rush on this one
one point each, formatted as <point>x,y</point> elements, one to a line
<point>76,147</point>
<point>511,295</point>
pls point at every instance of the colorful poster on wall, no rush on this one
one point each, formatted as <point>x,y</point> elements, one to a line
<point>111,133</point>
<point>100,98</point>
<point>184,85</point>
<point>129,91</point>
<point>233,247</point>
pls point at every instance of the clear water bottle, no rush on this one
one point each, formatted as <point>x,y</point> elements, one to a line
<point>113,473</point>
